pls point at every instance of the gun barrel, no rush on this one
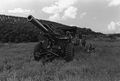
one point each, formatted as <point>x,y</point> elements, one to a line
<point>34,21</point>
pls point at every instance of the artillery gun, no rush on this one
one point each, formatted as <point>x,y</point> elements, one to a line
<point>54,44</point>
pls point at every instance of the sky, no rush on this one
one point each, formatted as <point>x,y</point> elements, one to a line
<point>99,15</point>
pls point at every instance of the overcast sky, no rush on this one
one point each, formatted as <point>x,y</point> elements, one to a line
<point>99,15</point>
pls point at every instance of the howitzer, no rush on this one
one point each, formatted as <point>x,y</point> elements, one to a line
<point>54,45</point>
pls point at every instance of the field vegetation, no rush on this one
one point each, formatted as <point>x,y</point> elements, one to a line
<point>17,64</point>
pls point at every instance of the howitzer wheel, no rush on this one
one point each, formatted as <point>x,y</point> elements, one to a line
<point>69,52</point>
<point>38,51</point>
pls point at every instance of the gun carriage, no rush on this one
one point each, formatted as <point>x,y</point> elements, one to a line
<point>54,45</point>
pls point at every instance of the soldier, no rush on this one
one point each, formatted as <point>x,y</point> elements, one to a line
<point>68,34</point>
<point>80,39</point>
<point>80,36</point>
<point>83,42</point>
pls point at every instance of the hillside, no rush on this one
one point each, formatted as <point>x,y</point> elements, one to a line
<point>18,29</point>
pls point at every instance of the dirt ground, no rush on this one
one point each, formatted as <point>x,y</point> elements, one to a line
<point>17,64</point>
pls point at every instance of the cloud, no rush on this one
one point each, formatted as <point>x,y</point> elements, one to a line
<point>55,17</point>
<point>83,14</point>
<point>52,9</point>
<point>113,3</point>
<point>71,12</point>
<point>65,3</point>
<point>62,9</point>
<point>20,10</point>
<point>59,6</point>
<point>114,26</point>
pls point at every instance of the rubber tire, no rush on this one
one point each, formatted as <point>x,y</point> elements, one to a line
<point>69,52</point>
<point>38,48</point>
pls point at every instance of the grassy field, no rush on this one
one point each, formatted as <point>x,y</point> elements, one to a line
<point>17,64</point>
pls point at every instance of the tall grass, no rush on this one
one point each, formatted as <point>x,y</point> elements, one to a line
<point>16,64</point>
